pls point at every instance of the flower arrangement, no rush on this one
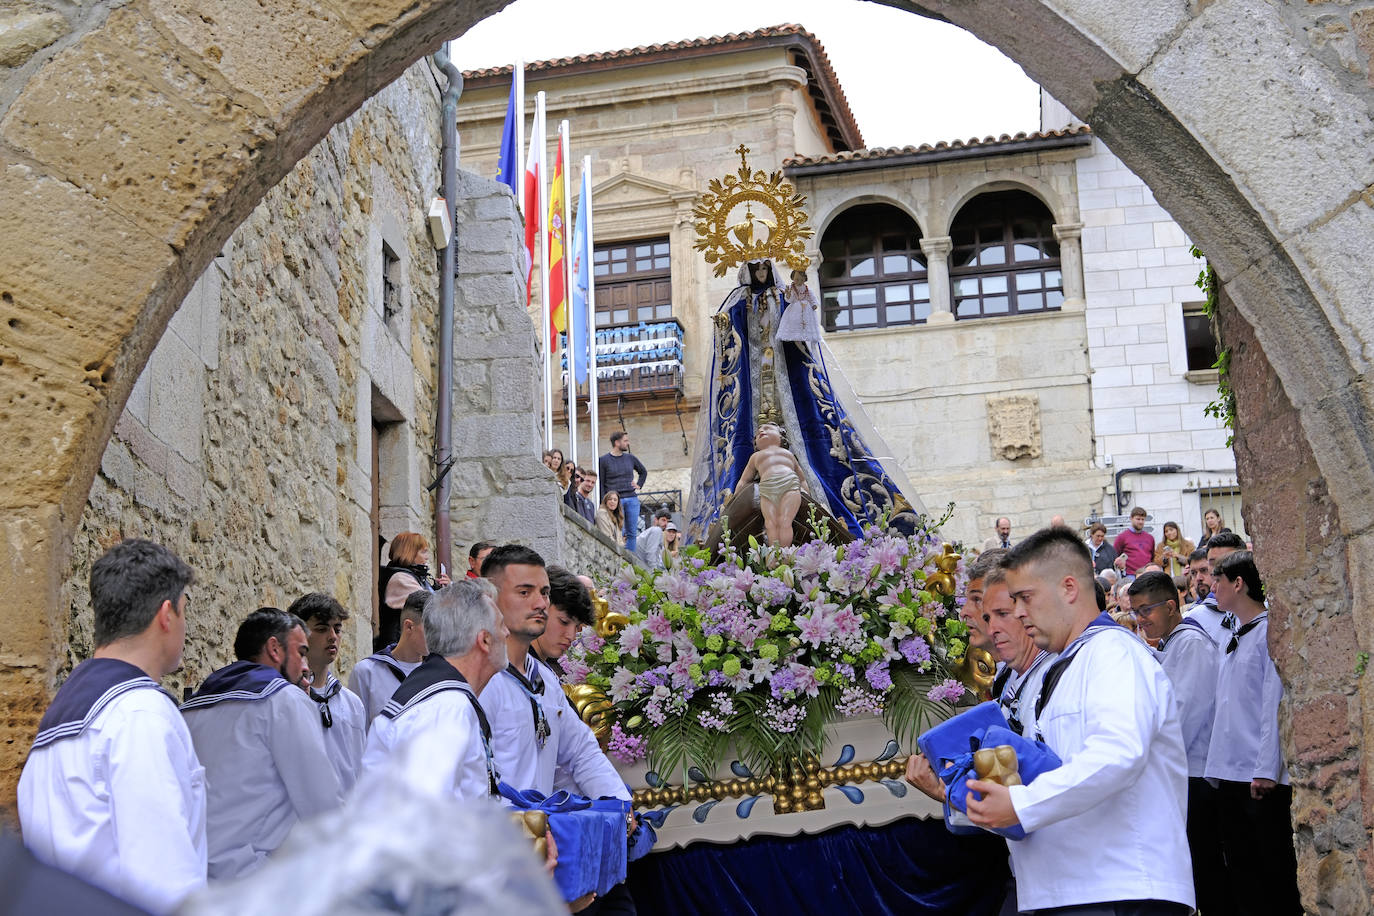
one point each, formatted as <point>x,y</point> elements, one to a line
<point>762,649</point>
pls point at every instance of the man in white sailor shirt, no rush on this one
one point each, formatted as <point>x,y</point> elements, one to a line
<point>112,790</point>
<point>1107,709</point>
<point>535,730</point>
<point>375,678</point>
<point>259,736</point>
<point>1244,759</point>
<point>341,712</point>
<point>1190,658</point>
<point>467,639</point>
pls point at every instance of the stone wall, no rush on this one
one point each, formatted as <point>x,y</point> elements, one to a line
<point>588,552</point>
<point>1313,631</point>
<point>246,443</point>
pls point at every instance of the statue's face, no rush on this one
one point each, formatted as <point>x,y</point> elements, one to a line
<point>761,271</point>
<point>767,436</point>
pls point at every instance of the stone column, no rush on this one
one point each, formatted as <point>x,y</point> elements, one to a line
<point>1070,237</point>
<point>937,249</point>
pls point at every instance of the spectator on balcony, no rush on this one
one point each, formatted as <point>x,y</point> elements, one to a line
<point>1212,524</point>
<point>579,499</point>
<point>1172,553</point>
<point>565,475</point>
<point>610,518</point>
<point>553,459</point>
<point>1103,554</point>
<point>672,547</point>
<point>618,469</point>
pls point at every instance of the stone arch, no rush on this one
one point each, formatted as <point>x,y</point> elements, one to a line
<point>971,186</point>
<point>186,115</point>
<point>823,219</point>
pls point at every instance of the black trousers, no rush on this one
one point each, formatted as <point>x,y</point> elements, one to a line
<point>1204,842</point>
<point>1257,841</point>
<point>617,902</point>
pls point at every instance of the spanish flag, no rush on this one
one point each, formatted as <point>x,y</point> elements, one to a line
<point>558,288</point>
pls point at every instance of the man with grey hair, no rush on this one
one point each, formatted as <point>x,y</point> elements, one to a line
<point>466,636</point>
<point>259,736</point>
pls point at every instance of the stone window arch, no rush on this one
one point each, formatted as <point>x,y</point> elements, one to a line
<point>873,272</point>
<point>1005,258</point>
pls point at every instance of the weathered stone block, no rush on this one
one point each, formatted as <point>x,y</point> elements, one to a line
<point>26,29</point>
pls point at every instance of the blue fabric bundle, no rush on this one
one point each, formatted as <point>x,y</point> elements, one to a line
<point>949,747</point>
<point>590,836</point>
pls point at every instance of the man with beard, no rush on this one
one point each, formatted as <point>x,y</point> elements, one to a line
<point>537,736</point>
<point>259,737</point>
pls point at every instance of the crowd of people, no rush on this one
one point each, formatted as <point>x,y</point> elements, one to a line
<point>1145,668</point>
<point>621,476</point>
<point>150,802</point>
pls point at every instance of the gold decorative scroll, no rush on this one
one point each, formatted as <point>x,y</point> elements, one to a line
<point>779,234</point>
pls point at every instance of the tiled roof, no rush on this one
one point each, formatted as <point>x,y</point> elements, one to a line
<point>824,85</point>
<point>879,156</point>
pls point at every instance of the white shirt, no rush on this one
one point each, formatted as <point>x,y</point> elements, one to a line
<point>1021,691</point>
<point>571,748</point>
<point>343,740</point>
<point>122,804</point>
<point>452,711</point>
<point>266,768</point>
<point>1205,612</point>
<point>1109,823</point>
<point>1190,658</point>
<point>374,682</point>
<point>1245,733</point>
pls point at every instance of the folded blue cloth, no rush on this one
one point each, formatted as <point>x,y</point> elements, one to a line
<point>590,834</point>
<point>949,747</point>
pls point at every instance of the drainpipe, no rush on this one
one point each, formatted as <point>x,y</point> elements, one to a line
<point>1147,469</point>
<point>443,433</point>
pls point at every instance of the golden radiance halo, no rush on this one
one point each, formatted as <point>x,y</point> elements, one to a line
<point>728,244</point>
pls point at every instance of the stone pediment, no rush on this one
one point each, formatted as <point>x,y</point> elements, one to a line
<point>629,192</point>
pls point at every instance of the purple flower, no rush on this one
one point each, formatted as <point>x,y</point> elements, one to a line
<point>855,701</point>
<point>660,627</point>
<point>632,638</point>
<point>946,692</point>
<point>805,679</point>
<point>847,623</point>
<point>878,676</point>
<point>626,748</point>
<point>815,628</point>
<point>624,685</point>
<point>914,649</point>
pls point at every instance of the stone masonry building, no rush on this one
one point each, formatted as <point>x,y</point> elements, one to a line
<point>1024,404</point>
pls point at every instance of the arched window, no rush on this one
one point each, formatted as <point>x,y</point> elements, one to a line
<point>1005,259</point>
<point>873,273</point>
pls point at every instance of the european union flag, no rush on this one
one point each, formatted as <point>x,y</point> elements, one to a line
<point>508,166</point>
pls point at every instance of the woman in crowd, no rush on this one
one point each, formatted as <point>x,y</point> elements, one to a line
<point>406,571</point>
<point>553,459</point>
<point>1171,554</point>
<point>1211,524</point>
<point>672,546</point>
<point>610,519</point>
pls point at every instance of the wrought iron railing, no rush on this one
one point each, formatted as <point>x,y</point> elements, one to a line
<point>635,359</point>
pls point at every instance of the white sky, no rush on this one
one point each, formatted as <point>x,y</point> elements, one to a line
<point>908,79</point>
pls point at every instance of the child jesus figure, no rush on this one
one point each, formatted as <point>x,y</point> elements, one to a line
<point>780,483</point>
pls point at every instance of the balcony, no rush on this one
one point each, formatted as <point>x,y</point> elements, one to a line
<point>635,360</point>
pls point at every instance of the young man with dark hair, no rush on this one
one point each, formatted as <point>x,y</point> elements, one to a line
<point>261,742</point>
<point>1218,624</point>
<point>377,677</point>
<point>1107,709</point>
<point>113,791</point>
<point>476,554</point>
<point>1135,547</point>
<point>570,609</point>
<point>1190,659</point>
<point>618,470</point>
<point>1245,757</point>
<point>579,496</point>
<point>341,711</point>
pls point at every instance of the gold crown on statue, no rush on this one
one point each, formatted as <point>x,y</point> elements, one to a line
<point>728,244</point>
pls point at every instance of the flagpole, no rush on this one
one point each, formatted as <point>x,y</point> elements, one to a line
<point>592,406</point>
<point>566,149</point>
<point>543,217</point>
<point>520,117</point>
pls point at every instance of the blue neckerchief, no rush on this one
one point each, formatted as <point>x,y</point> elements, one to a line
<point>243,680</point>
<point>1186,622</point>
<point>435,675</point>
<point>332,686</point>
<point>1246,628</point>
<point>92,686</point>
<point>532,683</point>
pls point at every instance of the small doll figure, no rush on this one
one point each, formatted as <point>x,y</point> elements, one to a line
<point>801,321</point>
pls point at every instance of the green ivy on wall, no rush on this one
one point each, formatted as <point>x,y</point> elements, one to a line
<point>1223,407</point>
